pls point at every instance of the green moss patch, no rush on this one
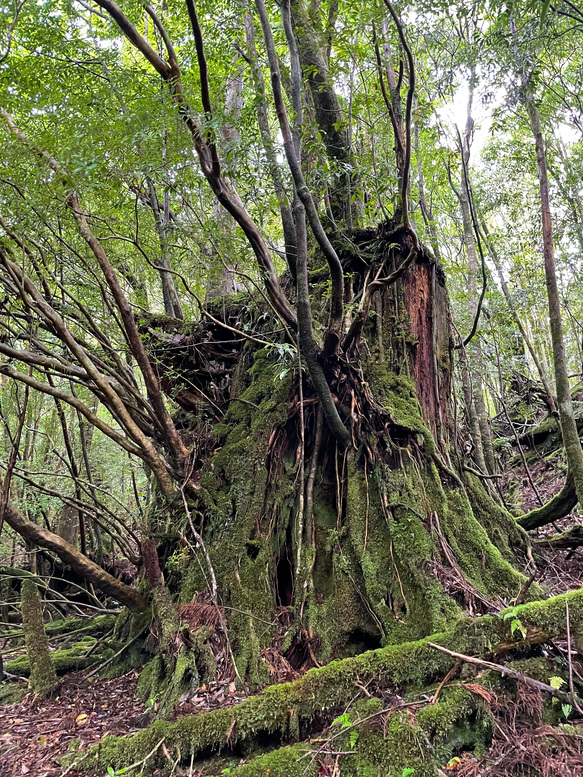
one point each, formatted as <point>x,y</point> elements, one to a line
<point>65,660</point>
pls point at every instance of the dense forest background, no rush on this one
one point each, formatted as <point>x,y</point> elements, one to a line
<point>291,369</point>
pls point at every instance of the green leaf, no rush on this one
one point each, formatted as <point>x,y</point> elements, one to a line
<point>544,11</point>
<point>342,720</point>
<point>566,709</point>
<point>556,682</point>
<point>517,625</point>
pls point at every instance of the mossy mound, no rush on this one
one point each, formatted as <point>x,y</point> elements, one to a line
<point>235,495</point>
<point>375,570</point>
<point>78,656</point>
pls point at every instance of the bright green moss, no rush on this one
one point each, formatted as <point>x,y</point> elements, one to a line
<point>41,668</point>
<point>285,762</point>
<point>235,496</point>
<point>101,623</point>
<point>66,659</point>
<point>408,666</point>
<point>397,395</point>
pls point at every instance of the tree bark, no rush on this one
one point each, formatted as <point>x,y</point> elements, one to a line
<point>550,400</point>
<point>470,244</point>
<point>43,677</point>
<point>329,115</point>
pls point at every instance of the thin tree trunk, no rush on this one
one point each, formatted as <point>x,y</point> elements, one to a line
<point>287,221</point>
<point>426,211</point>
<point>43,677</point>
<point>225,283</point>
<point>473,420</point>
<point>550,400</point>
<point>396,105</point>
<point>571,441</point>
<point>172,306</point>
<point>472,255</point>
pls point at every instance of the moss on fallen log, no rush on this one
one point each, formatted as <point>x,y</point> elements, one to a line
<point>98,625</point>
<point>65,660</point>
<point>280,708</point>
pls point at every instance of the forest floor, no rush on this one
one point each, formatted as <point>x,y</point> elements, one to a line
<point>35,734</point>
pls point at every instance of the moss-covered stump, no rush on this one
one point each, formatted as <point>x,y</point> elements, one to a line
<point>281,709</point>
<point>163,681</point>
<point>78,656</point>
<point>395,549</point>
<point>42,674</point>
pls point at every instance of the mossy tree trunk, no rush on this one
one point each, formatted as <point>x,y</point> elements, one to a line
<point>330,543</point>
<point>382,531</point>
<point>43,677</point>
<point>571,440</point>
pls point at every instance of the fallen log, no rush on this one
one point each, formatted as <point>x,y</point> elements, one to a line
<point>282,708</point>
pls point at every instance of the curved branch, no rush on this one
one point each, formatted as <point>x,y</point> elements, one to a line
<point>476,227</point>
<point>77,561</point>
<point>226,197</point>
<point>122,441</point>
<point>303,192</point>
<point>558,507</point>
<point>408,112</point>
<point>204,81</point>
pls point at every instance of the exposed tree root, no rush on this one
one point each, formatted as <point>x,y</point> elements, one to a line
<point>558,507</point>
<point>567,540</point>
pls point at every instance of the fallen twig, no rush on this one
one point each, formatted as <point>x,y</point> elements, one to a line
<point>512,673</point>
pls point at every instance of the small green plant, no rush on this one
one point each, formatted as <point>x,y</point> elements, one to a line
<point>516,624</point>
<point>407,772</point>
<point>556,682</point>
<point>344,722</point>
